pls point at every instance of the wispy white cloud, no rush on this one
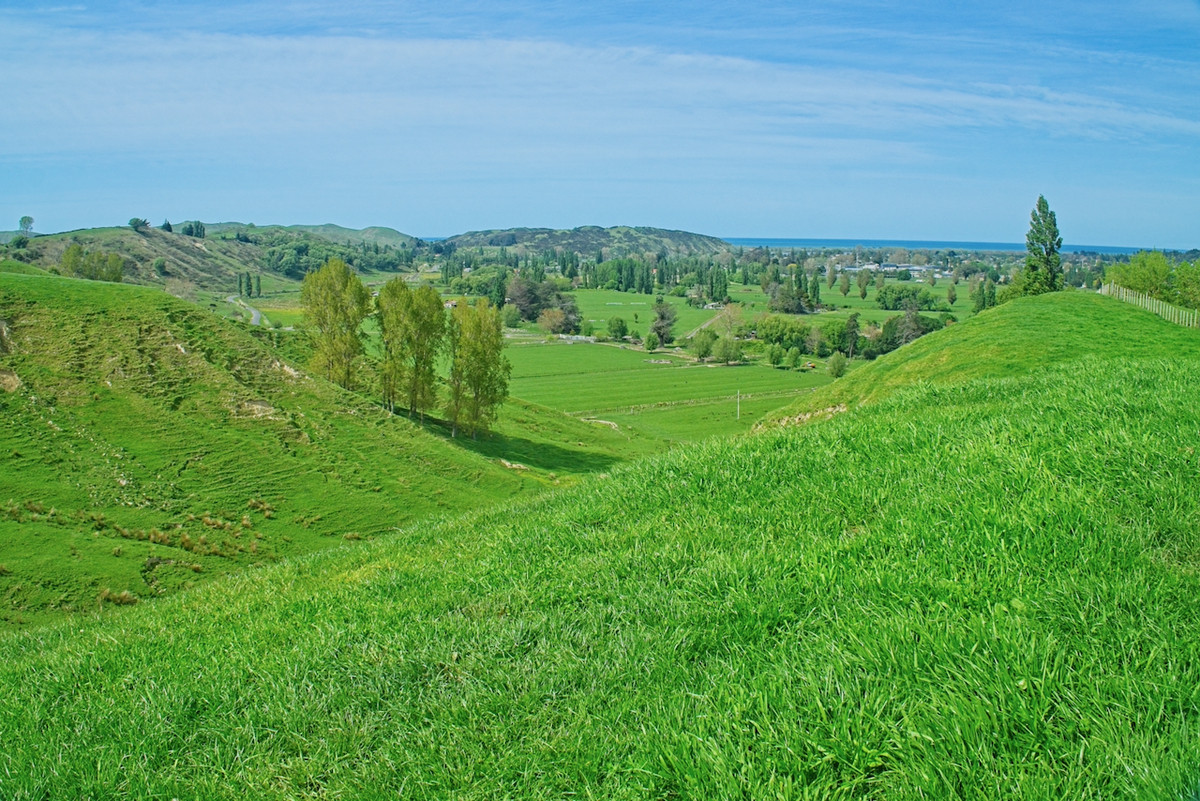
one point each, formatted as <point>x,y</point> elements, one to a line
<point>102,91</point>
<point>324,96</point>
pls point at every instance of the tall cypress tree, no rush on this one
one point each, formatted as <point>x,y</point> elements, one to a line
<point>1043,265</point>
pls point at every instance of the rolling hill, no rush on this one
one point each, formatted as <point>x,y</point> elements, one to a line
<point>1010,340</point>
<point>974,588</point>
<point>212,263</point>
<point>140,427</point>
<point>616,242</point>
<point>146,443</point>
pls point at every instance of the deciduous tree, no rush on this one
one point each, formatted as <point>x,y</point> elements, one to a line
<point>552,321</point>
<point>412,325</point>
<point>617,328</point>
<point>478,382</point>
<point>702,343</point>
<point>727,350</point>
<point>335,303</point>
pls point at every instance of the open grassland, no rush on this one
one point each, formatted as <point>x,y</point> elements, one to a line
<point>868,308</point>
<point>146,445</point>
<point>662,395</point>
<point>598,306</point>
<point>983,589</point>
<point>754,301</point>
<point>696,420</point>
<point>1021,336</point>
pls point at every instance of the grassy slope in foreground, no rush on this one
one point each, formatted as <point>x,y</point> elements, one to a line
<point>1014,339</point>
<point>979,590</point>
<point>146,435</point>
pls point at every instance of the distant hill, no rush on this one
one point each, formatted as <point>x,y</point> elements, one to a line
<point>213,262</point>
<point>616,242</point>
<point>334,233</point>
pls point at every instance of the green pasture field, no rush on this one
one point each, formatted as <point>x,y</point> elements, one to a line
<point>598,306</point>
<point>869,311</point>
<point>983,589</point>
<point>707,417</point>
<point>280,304</point>
<point>678,400</point>
<point>754,301</point>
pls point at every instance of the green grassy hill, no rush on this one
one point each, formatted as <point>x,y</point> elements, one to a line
<point>1014,339</point>
<point>982,588</point>
<point>13,266</point>
<point>146,444</point>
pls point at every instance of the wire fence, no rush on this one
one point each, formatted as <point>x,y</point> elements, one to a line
<point>1176,314</point>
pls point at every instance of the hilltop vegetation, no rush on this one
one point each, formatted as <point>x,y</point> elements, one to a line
<point>610,243</point>
<point>373,235</point>
<point>185,263</point>
<point>982,588</point>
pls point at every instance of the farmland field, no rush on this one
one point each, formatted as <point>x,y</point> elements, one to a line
<point>598,306</point>
<point>662,394</point>
<point>868,309</point>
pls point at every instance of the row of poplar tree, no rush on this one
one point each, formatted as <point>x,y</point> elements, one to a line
<point>416,331</point>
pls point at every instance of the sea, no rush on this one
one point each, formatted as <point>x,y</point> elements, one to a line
<point>912,244</point>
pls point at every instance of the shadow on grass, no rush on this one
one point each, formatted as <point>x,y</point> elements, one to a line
<point>537,455</point>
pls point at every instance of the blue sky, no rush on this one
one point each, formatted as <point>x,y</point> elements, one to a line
<point>799,119</point>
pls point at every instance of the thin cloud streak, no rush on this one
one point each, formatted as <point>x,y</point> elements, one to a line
<point>516,117</point>
<point>135,90</point>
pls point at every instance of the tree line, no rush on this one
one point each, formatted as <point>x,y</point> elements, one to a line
<point>1153,273</point>
<point>416,331</point>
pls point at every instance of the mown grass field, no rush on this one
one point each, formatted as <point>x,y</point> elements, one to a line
<point>979,589</point>
<point>662,395</point>
<point>754,301</point>
<point>598,306</point>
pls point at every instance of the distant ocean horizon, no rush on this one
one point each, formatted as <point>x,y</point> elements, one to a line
<point>912,244</point>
